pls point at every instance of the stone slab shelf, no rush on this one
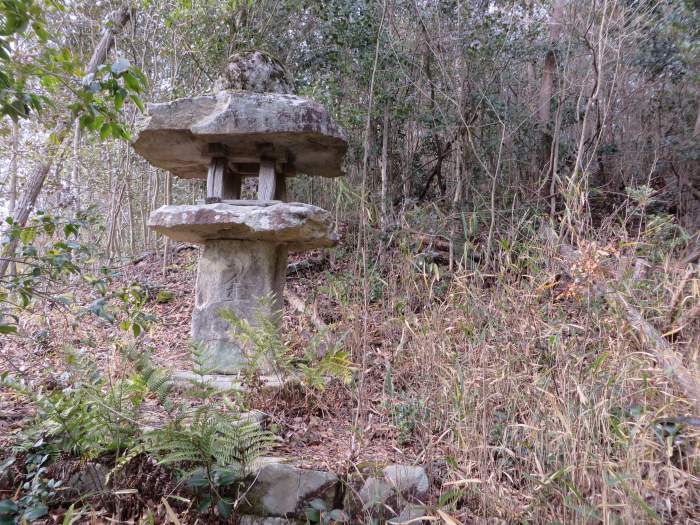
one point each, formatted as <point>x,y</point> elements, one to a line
<point>297,226</point>
<point>182,380</point>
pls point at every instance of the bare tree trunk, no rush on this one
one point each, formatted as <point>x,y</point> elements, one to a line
<point>544,108</point>
<point>74,189</point>
<point>457,196</point>
<point>47,155</point>
<point>410,149</point>
<point>130,203</point>
<point>12,197</point>
<point>385,168</point>
<point>143,208</point>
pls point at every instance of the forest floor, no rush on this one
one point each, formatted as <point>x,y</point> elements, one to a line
<point>316,428</point>
<point>524,392</point>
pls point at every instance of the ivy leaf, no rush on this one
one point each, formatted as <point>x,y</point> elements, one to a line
<point>36,512</point>
<point>224,507</point>
<point>204,505</point>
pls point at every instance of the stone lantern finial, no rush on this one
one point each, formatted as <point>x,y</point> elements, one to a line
<point>256,72</point>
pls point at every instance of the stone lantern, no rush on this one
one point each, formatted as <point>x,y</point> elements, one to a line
<point>252,127</point>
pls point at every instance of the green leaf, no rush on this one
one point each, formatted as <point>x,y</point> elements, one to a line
<point>227,477</point>
<point>138,102</point>
<point>131,82</point>
<point>204,505</point>
<point>71,229</point>
<point>27,235</point>
<point>8,329</point>
<point>36,512</point>
<point>7,506</point>
<point>118,132</point>
<point>120,66</point>
<point>105,130</point>
<point>119,98</point>
<point>40,31</point>
<point>224,507</point>
<point>313,515</point>
<point>197,479</point>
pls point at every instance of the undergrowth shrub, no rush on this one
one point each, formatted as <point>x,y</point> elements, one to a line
<point>265,351</point>
<point>212,446</point>
<point>547,407</point>
<point>88,415</point>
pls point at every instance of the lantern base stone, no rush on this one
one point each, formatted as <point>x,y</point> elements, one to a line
<point>246,278</point>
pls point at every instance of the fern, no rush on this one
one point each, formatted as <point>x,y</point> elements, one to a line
<point>211,438</point>
<point>156,380</point>
<point>265,348</point>
<point>90,418</point>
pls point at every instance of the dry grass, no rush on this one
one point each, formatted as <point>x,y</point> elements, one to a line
<point>539,402</point>
<point>530,399</point>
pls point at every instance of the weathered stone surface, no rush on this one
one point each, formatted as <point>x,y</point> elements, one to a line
<point>91,478</point>
<point>176,135</point>
<point>374,492</point>
<point>254,71</point>
<point>284,491</point>
<point>257,520</point>
<point>396,487</point>
<point>409,514</point>
<point>298,226</point>
<point>182,380</point>
<point>245,277</point>
<point>407,478</point>
<point>401,480</point>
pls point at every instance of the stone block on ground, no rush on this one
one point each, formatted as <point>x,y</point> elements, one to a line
<point>407,478</point>
<point>280,490</point>
<point>183,380</point>
<point>409,514</point>
<point>90,478</point>
<point>386,495</point>
<point>257,520</point>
